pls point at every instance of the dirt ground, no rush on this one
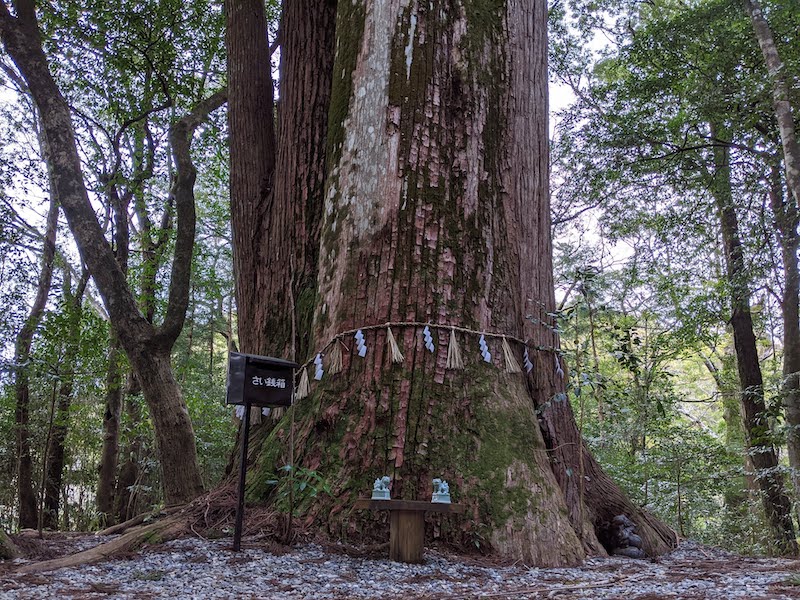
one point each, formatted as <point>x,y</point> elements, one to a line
<point>200,568</point>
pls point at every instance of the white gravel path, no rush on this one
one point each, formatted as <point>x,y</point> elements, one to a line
<point>195,568</point>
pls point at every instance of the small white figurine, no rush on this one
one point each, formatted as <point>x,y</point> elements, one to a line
<point>441,491</point>
<point>380,489</point>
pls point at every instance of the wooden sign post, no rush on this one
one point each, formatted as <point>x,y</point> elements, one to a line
<point>255,381</point>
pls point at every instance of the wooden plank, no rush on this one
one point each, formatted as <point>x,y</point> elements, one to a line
<point>408,505</point>
<point>407,536</point>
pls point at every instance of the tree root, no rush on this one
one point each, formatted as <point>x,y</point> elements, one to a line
<point>159,531</point>
<point>137,520</point>
<point>7,548</point>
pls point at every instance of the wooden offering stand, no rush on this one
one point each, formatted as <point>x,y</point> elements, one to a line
<point>407,524</point>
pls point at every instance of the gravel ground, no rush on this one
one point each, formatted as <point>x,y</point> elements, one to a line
<point>196,568</point>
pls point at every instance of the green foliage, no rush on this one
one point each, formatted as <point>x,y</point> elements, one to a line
<point>294,488</point>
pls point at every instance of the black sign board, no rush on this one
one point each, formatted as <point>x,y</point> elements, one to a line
<point>255,381</point>
<point>259,380</point>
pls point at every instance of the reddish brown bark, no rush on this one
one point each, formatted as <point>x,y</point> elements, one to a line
<point>307,53</point>
<point>252,158</point>
<point>438,183</point>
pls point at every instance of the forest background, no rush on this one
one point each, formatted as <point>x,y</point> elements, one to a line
<point>671,113</point>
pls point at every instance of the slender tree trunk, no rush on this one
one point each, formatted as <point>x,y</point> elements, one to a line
<point>109,455</point>
<point>28,514</point>
<point>757,432</point>
<point>786,222</point>
<point>125,494</point>
<point>54,466</point>
<point>780,97</point>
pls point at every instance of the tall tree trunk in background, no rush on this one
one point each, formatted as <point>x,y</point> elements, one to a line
<point>252,158</point>
<point>307,53</point>
<point>54,466</point>
<point>786,223</point>
<point>786,220</point>
<point>28,514</point>
<point>112,412</point>
<point>126,494</point>
<point>780,97</point>
<point>147,347</point>
<point>757,432</point>
<point>435,210</point>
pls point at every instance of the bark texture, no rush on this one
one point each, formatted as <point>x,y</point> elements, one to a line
<point>435,211</point>
<point>307,54</point>
<point>252,155</point>
<point>756,427</point>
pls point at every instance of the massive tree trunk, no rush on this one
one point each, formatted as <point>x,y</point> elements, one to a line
<point>147,347</point>
<point>757,432</point>
<point>435,211</point>
<point>28,514</point>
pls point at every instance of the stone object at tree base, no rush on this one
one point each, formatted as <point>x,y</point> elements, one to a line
<point>441,491</point>
<point>626,541</point>
<point>380,490</point>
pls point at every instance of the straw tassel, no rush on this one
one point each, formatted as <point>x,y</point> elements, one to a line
<point>512,366</point>
<point>559,370</point>
<point>304,387</point>
<point>335,358</point>
<point>397,356</point>
<point>454,360</point>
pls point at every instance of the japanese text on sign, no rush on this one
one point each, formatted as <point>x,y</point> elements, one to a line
<point>271,382</point>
